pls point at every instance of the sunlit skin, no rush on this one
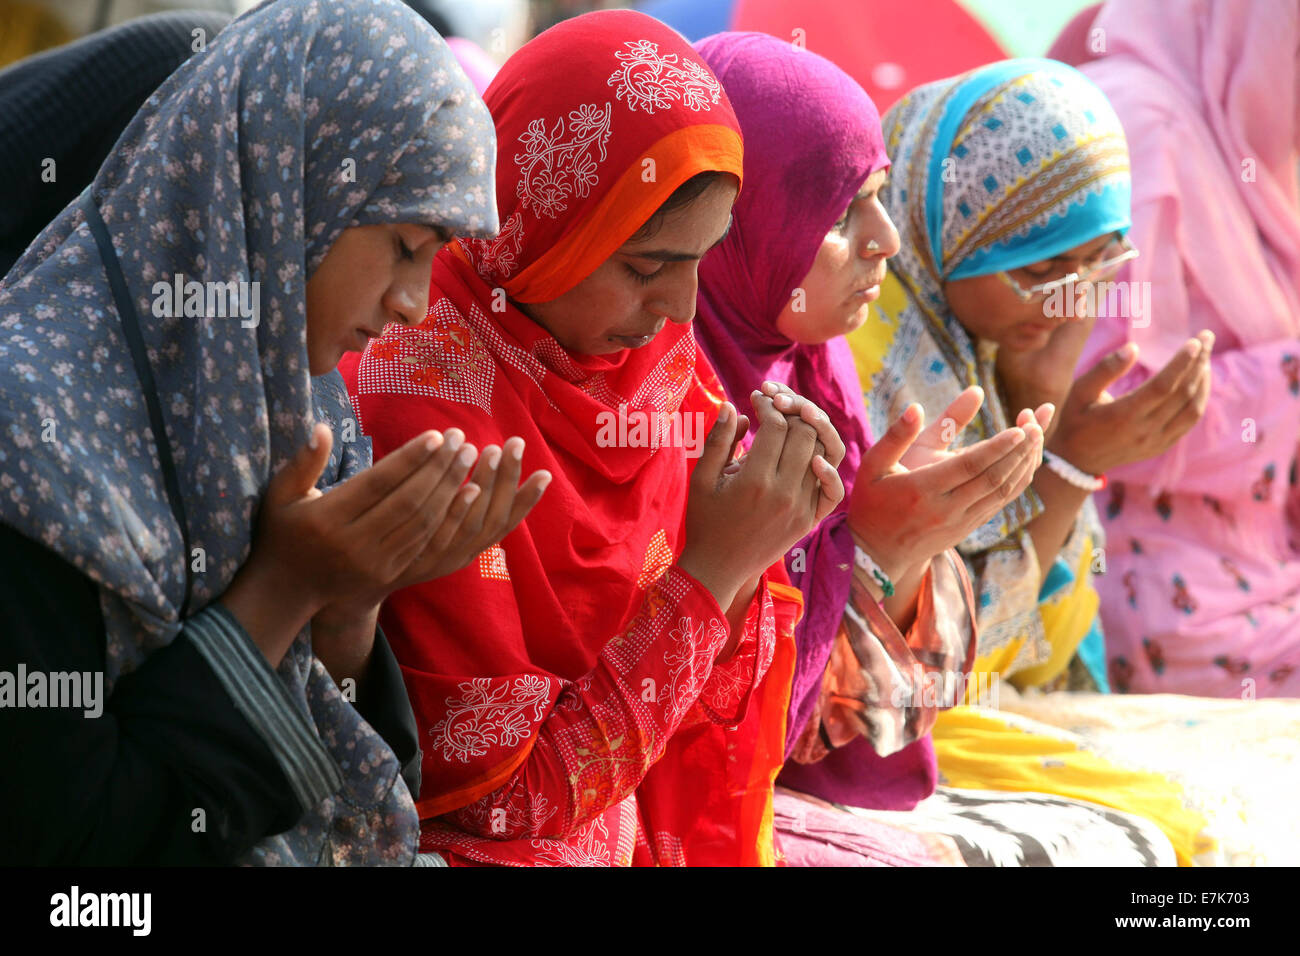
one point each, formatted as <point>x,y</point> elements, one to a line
<point>845,277</point>
<point>371,276</point>
<point>903,514</point>
<point>645,284</point>
<point>989,309</point>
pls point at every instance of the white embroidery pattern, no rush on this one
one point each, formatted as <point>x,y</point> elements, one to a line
<point>589,846</point>
<point>691,660</point>
<point>652,81</point>
<point>483,717</point>
<point>495,260</point>
<point>526,818</point>
<point>555,165</point>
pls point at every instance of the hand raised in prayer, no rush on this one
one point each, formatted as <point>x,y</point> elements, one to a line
<point>348,548</point>
<point>903,517</point>
<point>465,534</point>
<point>1044,376</point>
<point>743,518</point>
<point>475,516</point>
<point>1099,432</point>
<point>829,444</point>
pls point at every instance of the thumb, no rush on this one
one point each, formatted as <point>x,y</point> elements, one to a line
<point>886,453</point>
<point>299,474</point>
<point>1108,370</point>
<point>717,445</point>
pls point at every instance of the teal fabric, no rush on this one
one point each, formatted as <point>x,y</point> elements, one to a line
<point>1037,110</point>
<point>1092,649</point>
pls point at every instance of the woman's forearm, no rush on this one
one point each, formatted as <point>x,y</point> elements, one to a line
<point>1050,530</point>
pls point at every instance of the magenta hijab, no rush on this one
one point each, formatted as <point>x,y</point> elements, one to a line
<point>812,137</point>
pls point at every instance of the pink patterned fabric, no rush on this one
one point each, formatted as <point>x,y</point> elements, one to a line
<point>1203,577</point>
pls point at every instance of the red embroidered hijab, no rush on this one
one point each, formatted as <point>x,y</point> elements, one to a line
<point>598,121</point>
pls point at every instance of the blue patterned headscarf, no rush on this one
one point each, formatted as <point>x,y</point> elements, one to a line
<point>998,168</point>
<point>1004,166</point>
<point>302,118</point>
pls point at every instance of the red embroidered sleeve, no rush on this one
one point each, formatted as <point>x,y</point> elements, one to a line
<point>607,729</point>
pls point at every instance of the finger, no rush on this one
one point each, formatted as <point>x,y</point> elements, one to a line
<point>1164,407</point>
<point>772,389</point>
<point>881,457</point>
<point>369,488</point>
<point>439,501</point>
<point>797,452</point>
<point>998,479</point>
<point>1044,414</point>
<point>765,452</point>
<point>831,487</point>
<point>485,476</point>
<point>1109,369</point>
<point>1148,397</point>
<point>717,447</point>
<point>507,487</point>
<point>1184,408</point>
<point>970,463</point>
<point>827,434</point>
<point>961,412</point>
<point>404,515</point>
<point>742,429</point>
<point>530,492</point>
<point>297,476</point>
<point>452,524</point>
<point>980,514</point>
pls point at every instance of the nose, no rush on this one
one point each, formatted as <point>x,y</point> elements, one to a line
<point>676,302</point>
<point>407,299</point>
<point>880,238</point>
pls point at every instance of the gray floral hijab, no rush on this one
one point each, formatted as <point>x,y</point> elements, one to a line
<point>302,118</point>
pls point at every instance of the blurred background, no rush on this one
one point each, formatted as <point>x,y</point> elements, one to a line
<point>888,45</point>
<point>74,72</point>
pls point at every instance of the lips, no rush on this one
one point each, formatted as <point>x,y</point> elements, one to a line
<point>636,341</point>
<point>872,286</point>
<point>632,341</point>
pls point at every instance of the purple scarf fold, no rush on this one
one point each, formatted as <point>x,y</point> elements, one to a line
<point>812,137</point>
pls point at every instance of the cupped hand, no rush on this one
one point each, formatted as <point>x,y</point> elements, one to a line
<point>1099,432</point>
<point>351,545</point>
<point>1035,377</point>
<point>903,517</point>
<point>484,512</point>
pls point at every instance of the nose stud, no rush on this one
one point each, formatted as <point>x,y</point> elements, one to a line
<point>873,246</point>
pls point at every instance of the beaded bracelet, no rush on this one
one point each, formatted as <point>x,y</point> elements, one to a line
<point>864,561</point>
<point>1075,476</point>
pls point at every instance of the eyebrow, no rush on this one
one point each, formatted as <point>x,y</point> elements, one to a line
<point>669,255</point>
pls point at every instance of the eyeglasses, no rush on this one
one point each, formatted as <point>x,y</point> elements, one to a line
<point>1106,265</point>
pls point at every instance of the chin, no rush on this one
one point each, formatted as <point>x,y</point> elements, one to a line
<point>1028,342</point>
<point>857,320</point>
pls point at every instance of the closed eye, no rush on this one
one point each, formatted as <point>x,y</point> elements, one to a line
<point>645,278</point>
